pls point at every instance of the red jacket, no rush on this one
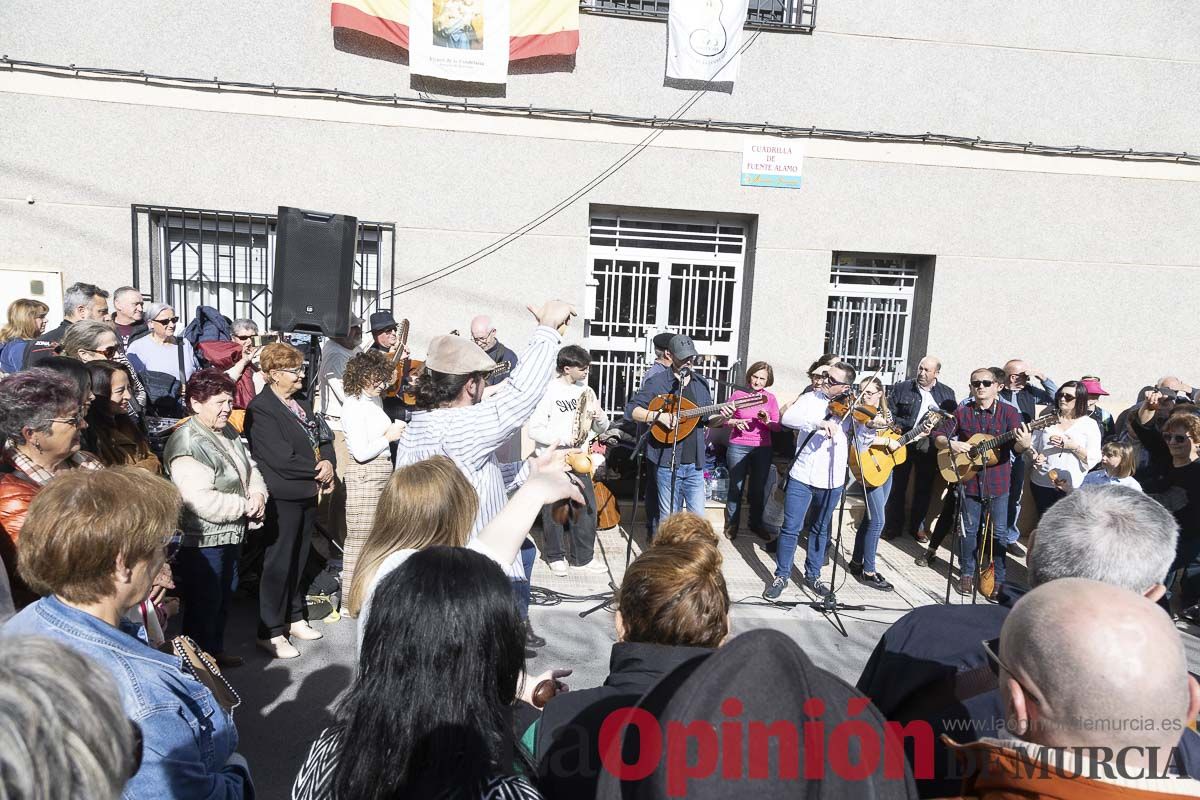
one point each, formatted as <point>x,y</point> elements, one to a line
<point>15,496</point>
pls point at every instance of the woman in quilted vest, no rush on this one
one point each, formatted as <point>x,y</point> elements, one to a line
<point>223,494</point>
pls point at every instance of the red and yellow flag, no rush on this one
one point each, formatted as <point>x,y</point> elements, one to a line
<point>536,27</point>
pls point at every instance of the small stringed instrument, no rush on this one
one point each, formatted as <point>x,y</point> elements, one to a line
<point>405,367</point>
<point>688,414</point>
<point>982,452</point>
<point>873,465</point>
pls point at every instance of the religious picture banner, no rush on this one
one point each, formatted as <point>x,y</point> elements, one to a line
<point>703,39</point>
<point>477,29</point>
<point>459,40</point>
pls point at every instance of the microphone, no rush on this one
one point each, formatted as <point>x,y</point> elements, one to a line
<point>686,369</point>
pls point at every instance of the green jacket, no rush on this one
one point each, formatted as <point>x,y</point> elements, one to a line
<point>196,440</point>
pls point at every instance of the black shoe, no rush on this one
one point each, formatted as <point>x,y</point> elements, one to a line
<point>531,638</point>
<point>855,568</point>
<point>776,588</point>
<point>816,587</point>
<point>731,532</point>
<point>876,581</point>
<point>925,559</point>
<point>772,546</point>
<point>1015,549</point>
<point>888,536</point>
<point>761,532</point>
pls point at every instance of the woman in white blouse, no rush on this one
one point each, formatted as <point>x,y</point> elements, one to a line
<point>1068,449</point>
<point>369,431</point>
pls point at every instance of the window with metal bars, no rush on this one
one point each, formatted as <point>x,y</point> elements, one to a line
<point>226,259</point>
<point>788,15</point>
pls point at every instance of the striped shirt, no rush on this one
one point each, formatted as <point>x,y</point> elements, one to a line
<point>471,435</point>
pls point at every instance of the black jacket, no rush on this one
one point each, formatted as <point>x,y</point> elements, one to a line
<point>568,736</point>
<point>281,447</point>
<point>904,400</point>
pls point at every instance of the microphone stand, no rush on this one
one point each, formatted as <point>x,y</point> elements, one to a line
<point>960,526</point>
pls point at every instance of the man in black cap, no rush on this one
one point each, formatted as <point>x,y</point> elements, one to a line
<point>661,364</point>
<point>688,455</point>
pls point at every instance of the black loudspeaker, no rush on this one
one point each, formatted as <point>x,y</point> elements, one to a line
<point>314,270</point>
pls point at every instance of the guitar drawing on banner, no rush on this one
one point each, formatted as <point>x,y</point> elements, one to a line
<point>708,37</point>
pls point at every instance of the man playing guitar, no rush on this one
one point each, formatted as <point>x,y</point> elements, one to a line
<point>689,451</point>
<point>983,414</point>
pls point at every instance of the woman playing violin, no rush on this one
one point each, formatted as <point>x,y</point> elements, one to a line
<point>871,415</point>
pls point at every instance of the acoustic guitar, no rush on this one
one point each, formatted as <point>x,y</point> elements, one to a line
<point>982,452</point>
<point>688,414</point>
<point>405,367</point>
<point>873,465</point>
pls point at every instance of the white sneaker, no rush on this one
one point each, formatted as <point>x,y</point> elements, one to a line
<point>595,565</point>
<point>558,568</point>
<point>279,647</point>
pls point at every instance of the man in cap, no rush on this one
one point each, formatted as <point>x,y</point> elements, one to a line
<point>687,455</point>
<point>483,333</point>
<point>661,364</point>
<point>455,420</point>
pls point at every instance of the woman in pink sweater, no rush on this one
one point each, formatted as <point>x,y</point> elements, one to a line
<point>750,449</point>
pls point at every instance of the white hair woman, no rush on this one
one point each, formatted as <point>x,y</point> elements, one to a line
<point>162,352</point>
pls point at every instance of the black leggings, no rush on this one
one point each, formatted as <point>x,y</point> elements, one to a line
<point>287,536</point>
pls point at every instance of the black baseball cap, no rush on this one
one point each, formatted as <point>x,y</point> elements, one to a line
<point>663,340</point>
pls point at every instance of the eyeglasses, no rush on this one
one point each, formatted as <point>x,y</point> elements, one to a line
<point>818,376</point>
<point>835,382</point>
<point>386,330</point>
<point>297,371</point>
<point>171,546</point>
<point>107,352</point>
<point>995,657</point>
<point>167,321</point>
<point>482,339</point>
<point>1070,398</point>
<point>981,384</point>
<point>74,421</point>
<point>1176,438</point>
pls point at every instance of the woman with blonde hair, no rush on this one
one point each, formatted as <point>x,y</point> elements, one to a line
<point>866,539</point>
<point>430,503</point>
<point>26,320</point>
<point>369,433</point>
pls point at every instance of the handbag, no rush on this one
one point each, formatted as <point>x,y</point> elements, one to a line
<point>200,665</point>
<point>987,576</point>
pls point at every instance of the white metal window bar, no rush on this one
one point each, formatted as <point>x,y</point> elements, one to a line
<point>869,315</point>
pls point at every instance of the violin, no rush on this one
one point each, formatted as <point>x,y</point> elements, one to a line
<point>840,406</point>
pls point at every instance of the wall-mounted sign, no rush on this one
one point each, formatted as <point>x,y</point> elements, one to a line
<point>772,163</point>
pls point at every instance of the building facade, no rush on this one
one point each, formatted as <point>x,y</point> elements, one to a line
<point>889,250</point>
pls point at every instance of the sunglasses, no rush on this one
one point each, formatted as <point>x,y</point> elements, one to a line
<point>167,321</point>
<point>107,352</point>
<point>1176,438</point>
<point>995,658</point>
<point>245,338</point>
<point>386,330</point>
<point>74,421</point>
<point>1070,398</point>
<point>982,384</point>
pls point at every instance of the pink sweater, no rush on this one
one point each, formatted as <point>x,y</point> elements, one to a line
<point>759,433</point>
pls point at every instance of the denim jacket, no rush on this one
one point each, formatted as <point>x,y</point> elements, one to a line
<point>188,738</point>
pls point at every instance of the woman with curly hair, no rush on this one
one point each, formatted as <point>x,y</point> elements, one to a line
<point>369,432</point>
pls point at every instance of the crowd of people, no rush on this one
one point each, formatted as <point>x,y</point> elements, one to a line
<point>148,472</point>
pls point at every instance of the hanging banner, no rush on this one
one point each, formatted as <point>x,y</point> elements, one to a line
<point>703,39</point>
<point>534,27</point>
<point>772,163</point>
<point>459,40</point>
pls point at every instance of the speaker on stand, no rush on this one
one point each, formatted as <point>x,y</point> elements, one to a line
<point>312,290</point>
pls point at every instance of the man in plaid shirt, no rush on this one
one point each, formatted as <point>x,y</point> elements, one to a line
<point>983,414</point>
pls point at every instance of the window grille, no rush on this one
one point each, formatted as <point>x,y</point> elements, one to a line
<point>226,259</point>
<point>868,318</point>
<point>788,15</point>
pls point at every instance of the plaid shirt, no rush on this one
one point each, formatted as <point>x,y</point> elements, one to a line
<point>968,421</point>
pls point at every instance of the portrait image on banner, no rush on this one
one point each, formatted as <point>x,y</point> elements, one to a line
<point>460,40</point>
<point>703,39</point>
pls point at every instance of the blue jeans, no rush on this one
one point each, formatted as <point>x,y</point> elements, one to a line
<point>866,541</point>
<point>206,578</point>
<point>973,543</point>
<point>521,587</point>
<point>744,460</point>
<point>689,490</point>
<point>1013,505</point>
<point>799,497</point>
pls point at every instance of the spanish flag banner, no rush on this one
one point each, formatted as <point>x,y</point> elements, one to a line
<point>535,27</point>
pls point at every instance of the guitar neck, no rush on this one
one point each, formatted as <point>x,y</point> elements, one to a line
<point>743,402</point>
<point>1005,438</point>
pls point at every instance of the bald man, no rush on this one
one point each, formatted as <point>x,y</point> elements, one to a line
<point>909,402</point>
<point>484,334</point>
<point>930,665</point>
<point>1082,664</point>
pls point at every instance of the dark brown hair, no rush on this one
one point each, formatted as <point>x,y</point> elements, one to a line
<point>208,383</point>
<point>366,369</point>
<point>675,594</point>
<point>759,365</point>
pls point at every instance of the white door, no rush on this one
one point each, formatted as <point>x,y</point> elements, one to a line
<point>650,274</point>
<point>33,284</point>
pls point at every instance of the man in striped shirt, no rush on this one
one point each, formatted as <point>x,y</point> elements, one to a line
<point>457,421</point>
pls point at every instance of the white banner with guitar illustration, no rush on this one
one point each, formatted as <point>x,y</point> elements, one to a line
<point>459,40</point>
<point>703,39</point>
